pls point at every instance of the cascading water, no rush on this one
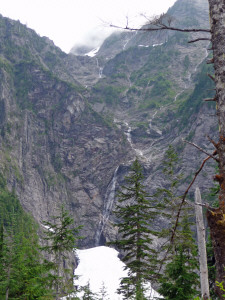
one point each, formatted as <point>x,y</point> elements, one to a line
<point>128,134</point>
<point>108,204</point>
<point>99,68</point>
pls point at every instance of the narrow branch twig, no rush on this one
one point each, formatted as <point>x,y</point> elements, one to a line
<point>200,204</point>
<point>202,150</point>
<point>185,194</point>
<point>210,99</point>
<point>212,141</point>
<point>211,77</point>
<point>199,39</point>
<point>181,205</point>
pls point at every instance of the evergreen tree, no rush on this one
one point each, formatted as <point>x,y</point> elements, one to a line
<point>23,271</point>
<point>179,280</point>
<point>103,295</point>
<point>135,210</point>
<point>61,236</point>
<point>88,294</point>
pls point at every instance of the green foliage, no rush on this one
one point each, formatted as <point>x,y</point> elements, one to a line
<point>179,280</point>
<point>135,211</point>
<point>103,295</point>
<point>61,233</point>
<point>87,293</point>
<point>186,62</point>
<point>211,268</point>
<point>161,88</point>
<point>57,162</point>
<point>168,195</point>
<point>24,273</point>
<point>107,93</point>
<point>203,89</point>
<point>61,236</point>
<point>23,84</point>
<point>221,286</point>
<point>162,92</point>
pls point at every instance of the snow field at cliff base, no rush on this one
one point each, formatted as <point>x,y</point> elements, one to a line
<point>102,265</point>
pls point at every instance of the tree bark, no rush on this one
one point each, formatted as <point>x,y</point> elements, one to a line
<point>201,246</point>
<point>216,217</point>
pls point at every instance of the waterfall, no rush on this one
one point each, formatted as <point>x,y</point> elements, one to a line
<point>128,134</point>
<point>108,204</point>
<point>99,68</point>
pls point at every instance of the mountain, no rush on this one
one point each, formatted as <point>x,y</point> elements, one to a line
<point>71,125</point>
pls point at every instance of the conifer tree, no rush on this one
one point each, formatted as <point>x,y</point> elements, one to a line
<point>103,295</point>
<point>135,211</point>
<point>62,237</point>
<point>23,271</point>
<point>88,294</point>
<point>179,280</point>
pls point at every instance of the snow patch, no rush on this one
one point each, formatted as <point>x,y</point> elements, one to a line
<point>102,264</point>
<point>154,45</point>
<point>48,228</point>
<point>93,52</point>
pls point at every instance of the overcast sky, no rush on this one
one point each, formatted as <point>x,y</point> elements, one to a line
<point>69,22</point>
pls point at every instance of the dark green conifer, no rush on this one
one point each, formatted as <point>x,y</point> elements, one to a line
<point>62,237</point>
<point>179,279</point>
<point>87,293</point>
<point>136,211</point>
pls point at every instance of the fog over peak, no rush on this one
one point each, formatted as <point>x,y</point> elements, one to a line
<point>91,40</point>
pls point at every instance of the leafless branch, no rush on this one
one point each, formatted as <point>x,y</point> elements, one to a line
<point>200,204</point>
<point>212,141</point>
<point>199,39</point>
<point>202,150</point>
<point>183,200</point>
<point>211,77</point>
<point>161,27</point>
<point>210,61</point>
<point>211,99</point>
<point>185,194</point>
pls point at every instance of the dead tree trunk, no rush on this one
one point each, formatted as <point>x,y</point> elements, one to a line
<point>216,217</point>
<point>201,246</point>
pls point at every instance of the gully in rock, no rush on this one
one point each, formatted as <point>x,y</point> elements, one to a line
<point>108,204</point>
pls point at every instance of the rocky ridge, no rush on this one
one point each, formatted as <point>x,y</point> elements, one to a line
<point>71,125</point>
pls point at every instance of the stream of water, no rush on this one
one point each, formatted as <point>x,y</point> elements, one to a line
<point>99,68</point>
<point>108,204</point>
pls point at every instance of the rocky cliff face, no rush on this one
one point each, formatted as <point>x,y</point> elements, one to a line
<point>70,125</point>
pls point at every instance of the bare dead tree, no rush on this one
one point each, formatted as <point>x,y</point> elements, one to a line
<point>201,246</point>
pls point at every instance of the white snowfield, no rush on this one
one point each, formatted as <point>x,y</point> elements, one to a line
<point>102,264</point>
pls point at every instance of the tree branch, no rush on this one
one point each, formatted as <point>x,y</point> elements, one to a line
<point>211,77</point>
<point>202,150</point>
<point>162,27</point>
<point>211,99</point>
<point>185,194</point>
<point>200,204</point>
<point>212,141</point>
<point>181,205</point>
<point>199,39</point>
